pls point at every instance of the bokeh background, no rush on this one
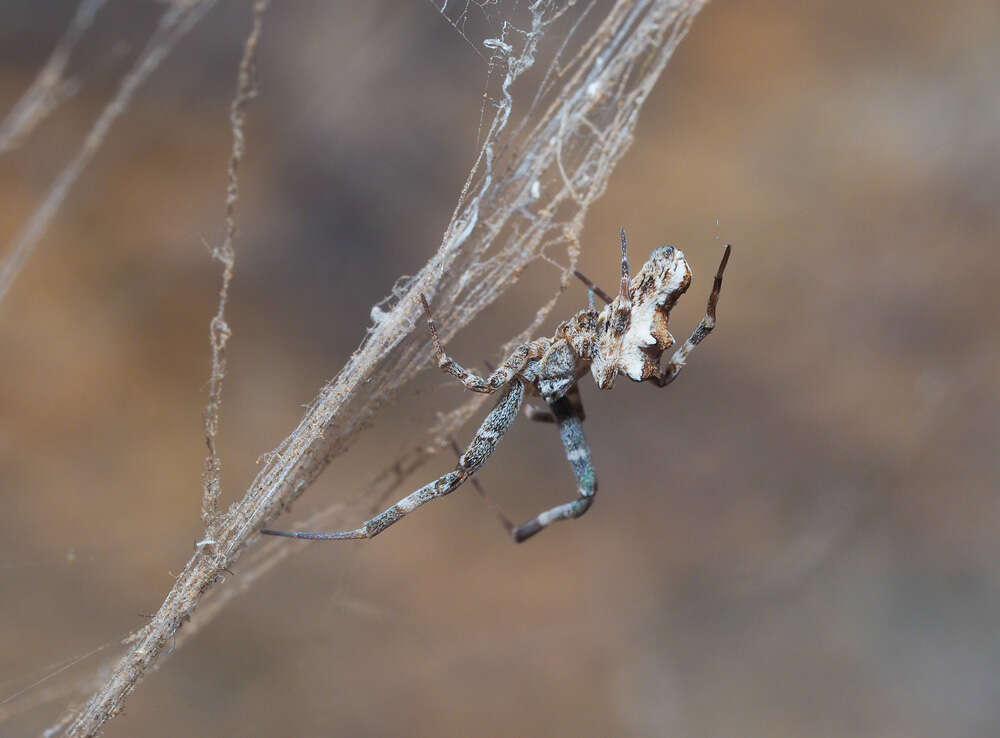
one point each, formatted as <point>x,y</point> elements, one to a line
<point>798,538</point>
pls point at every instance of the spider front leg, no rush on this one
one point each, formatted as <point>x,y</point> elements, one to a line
<point>669,373</point>
<point>568,413</point>
<point>499,377</point>
<point>483,444</point>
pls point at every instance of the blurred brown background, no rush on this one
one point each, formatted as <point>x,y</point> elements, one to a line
<point>797,539</point>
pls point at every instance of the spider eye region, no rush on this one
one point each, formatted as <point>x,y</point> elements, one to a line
<point>632,341</point>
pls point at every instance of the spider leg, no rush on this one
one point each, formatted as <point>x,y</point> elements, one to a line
<point>623,289</point>
<point>669,373</point>
<point>547,416</point>
<point>504,520</point>
<point>482,446</point>
<point>514,363</point>
<point>568,415</point>
<point>592,288</point>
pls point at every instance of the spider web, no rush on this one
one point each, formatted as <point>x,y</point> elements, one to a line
<point>466,16</point>
<point>553,134</point>
<point>565,84</point>
<point>541,164</point>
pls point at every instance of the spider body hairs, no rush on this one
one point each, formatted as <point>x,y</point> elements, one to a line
<point>629,336</point>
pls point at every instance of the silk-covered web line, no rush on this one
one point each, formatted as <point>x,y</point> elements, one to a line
<point>548,145</point>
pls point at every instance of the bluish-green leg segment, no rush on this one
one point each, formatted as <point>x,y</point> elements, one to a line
<point>483,444</point>
<point>567,412</point>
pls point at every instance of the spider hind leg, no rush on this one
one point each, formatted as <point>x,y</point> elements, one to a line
<point>568,413</point>
<point>483,444</point>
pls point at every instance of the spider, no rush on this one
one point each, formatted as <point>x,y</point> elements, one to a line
<point>627,337</point>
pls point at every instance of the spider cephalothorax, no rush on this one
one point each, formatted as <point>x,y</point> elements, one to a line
<point>628,336</point>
